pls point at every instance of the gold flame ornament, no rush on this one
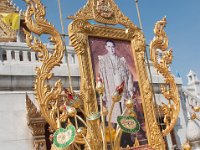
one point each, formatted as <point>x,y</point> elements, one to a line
<point>161,58</point>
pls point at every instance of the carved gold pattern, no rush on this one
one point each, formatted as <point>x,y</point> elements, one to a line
<point>136,37</point>
<point>89,12</point>
<point>79,30</point>
<point>31,108</point>
<point>104,9</point>
<point>169,90</point>
<point>46,96</point>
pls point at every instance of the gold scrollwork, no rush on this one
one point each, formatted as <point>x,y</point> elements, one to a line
<point>78,40</point>
<point>162,58</point>
<point>154,135</point>
<point>47,97</point>
<point>79,31</point>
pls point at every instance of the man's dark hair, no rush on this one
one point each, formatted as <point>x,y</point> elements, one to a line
<point>111,41</point>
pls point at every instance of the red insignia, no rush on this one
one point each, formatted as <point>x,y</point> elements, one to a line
<point>99,79</point>
<point>120,88</point>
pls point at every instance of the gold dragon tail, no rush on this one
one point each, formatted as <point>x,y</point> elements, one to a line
<point>46,96</point>
<point>161,57</point>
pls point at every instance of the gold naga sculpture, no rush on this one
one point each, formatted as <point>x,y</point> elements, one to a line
<point>60,106</point>
<point>169,90</point>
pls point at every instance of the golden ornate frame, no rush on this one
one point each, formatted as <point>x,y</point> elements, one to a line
<point>79,31</point>
<point>105,12</point>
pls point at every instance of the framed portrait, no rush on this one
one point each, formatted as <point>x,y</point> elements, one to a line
<point>116,55</point>
<point>112,60</point>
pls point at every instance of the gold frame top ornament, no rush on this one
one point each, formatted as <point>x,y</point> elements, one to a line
<point>104,9</point>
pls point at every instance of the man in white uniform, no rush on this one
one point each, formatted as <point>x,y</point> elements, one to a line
<point>114,70</point>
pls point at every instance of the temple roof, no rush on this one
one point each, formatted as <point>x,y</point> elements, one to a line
<point>7,6</point>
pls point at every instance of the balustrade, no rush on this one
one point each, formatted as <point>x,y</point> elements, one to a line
<point>12,52</point>
<point>18,62</point>
<point>8,56</point>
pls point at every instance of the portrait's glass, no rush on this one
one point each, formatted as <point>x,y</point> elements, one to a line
<point>113,61</point>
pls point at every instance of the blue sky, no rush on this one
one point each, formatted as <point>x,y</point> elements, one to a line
<point>183,28</point>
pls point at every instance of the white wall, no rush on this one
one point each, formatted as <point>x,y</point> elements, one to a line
<point>14,132</point>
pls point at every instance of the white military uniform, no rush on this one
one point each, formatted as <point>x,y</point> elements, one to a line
<point>113,71</point>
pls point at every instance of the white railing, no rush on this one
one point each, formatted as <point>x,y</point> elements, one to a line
<point>19,52</point>
<point>18,63</point>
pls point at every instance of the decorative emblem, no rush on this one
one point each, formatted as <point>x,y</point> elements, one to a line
<point>128,124</point>
<point>104,9</point>
<point>64,137</point>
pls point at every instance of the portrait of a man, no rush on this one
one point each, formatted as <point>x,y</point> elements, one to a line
<point>113,61</point>
<point>113,70</point>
